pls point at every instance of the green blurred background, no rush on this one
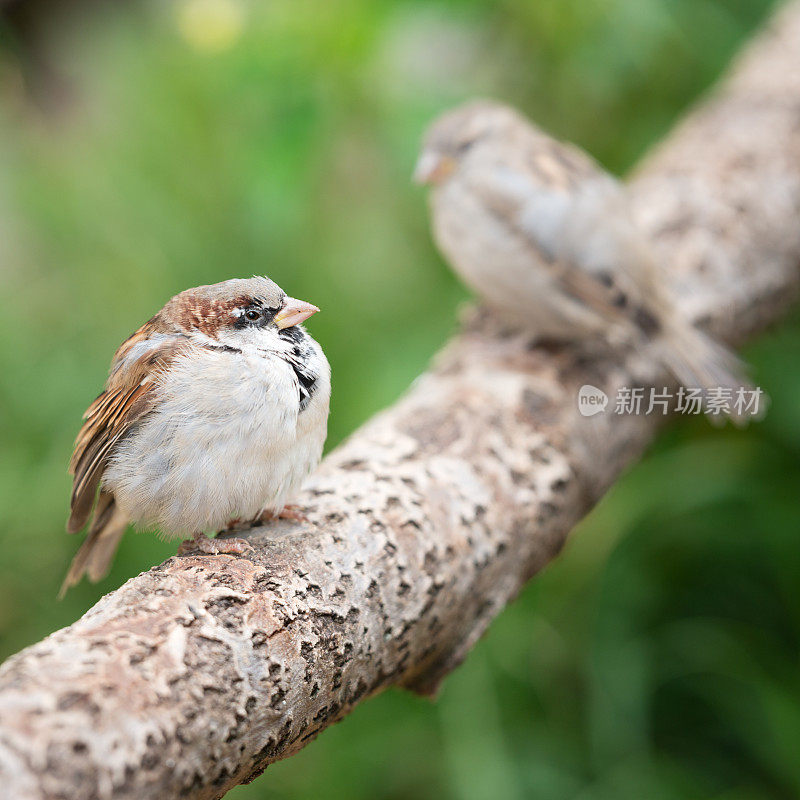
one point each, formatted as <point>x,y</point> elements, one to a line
<point>148,147</point>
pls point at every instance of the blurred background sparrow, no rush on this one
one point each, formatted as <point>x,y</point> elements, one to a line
<point>215,409</point>
<point>541,232</point>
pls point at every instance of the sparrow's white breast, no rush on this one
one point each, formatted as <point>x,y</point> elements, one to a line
<point>225,440</point>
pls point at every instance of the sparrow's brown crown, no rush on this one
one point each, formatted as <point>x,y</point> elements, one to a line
<point>224,305</point>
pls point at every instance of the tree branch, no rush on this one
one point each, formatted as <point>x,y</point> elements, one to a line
<point>196,675</point>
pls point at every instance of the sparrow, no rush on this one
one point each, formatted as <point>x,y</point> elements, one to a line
<point>215,409</point>
<point>539,230</point>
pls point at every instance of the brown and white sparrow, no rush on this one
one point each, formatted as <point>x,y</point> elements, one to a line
<point>541,231</point>
<point>216,408</point>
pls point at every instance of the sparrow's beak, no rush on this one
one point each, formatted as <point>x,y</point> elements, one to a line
<point>294,312</point>
<point>433,168</point>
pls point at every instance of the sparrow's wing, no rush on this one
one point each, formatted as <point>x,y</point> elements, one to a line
<point>558,165</point>
<point>576,219</point>
<point>130,393</point>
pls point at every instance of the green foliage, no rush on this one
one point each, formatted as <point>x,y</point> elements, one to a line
<point>215,138</point>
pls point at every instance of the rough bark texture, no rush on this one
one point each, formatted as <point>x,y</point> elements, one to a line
<point>196,675</point>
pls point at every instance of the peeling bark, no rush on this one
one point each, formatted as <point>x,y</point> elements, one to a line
<point>196,675</point>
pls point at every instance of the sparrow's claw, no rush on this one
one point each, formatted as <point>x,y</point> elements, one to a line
<point>291,512</point>
<point>214,547</point>
<point>232,546</point>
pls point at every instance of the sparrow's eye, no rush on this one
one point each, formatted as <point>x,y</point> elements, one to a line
<point>464,145</point>
<point>252,314</point>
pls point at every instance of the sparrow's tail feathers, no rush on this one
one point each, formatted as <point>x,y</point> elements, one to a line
<point>94,557</point>
<point>699,362</point>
